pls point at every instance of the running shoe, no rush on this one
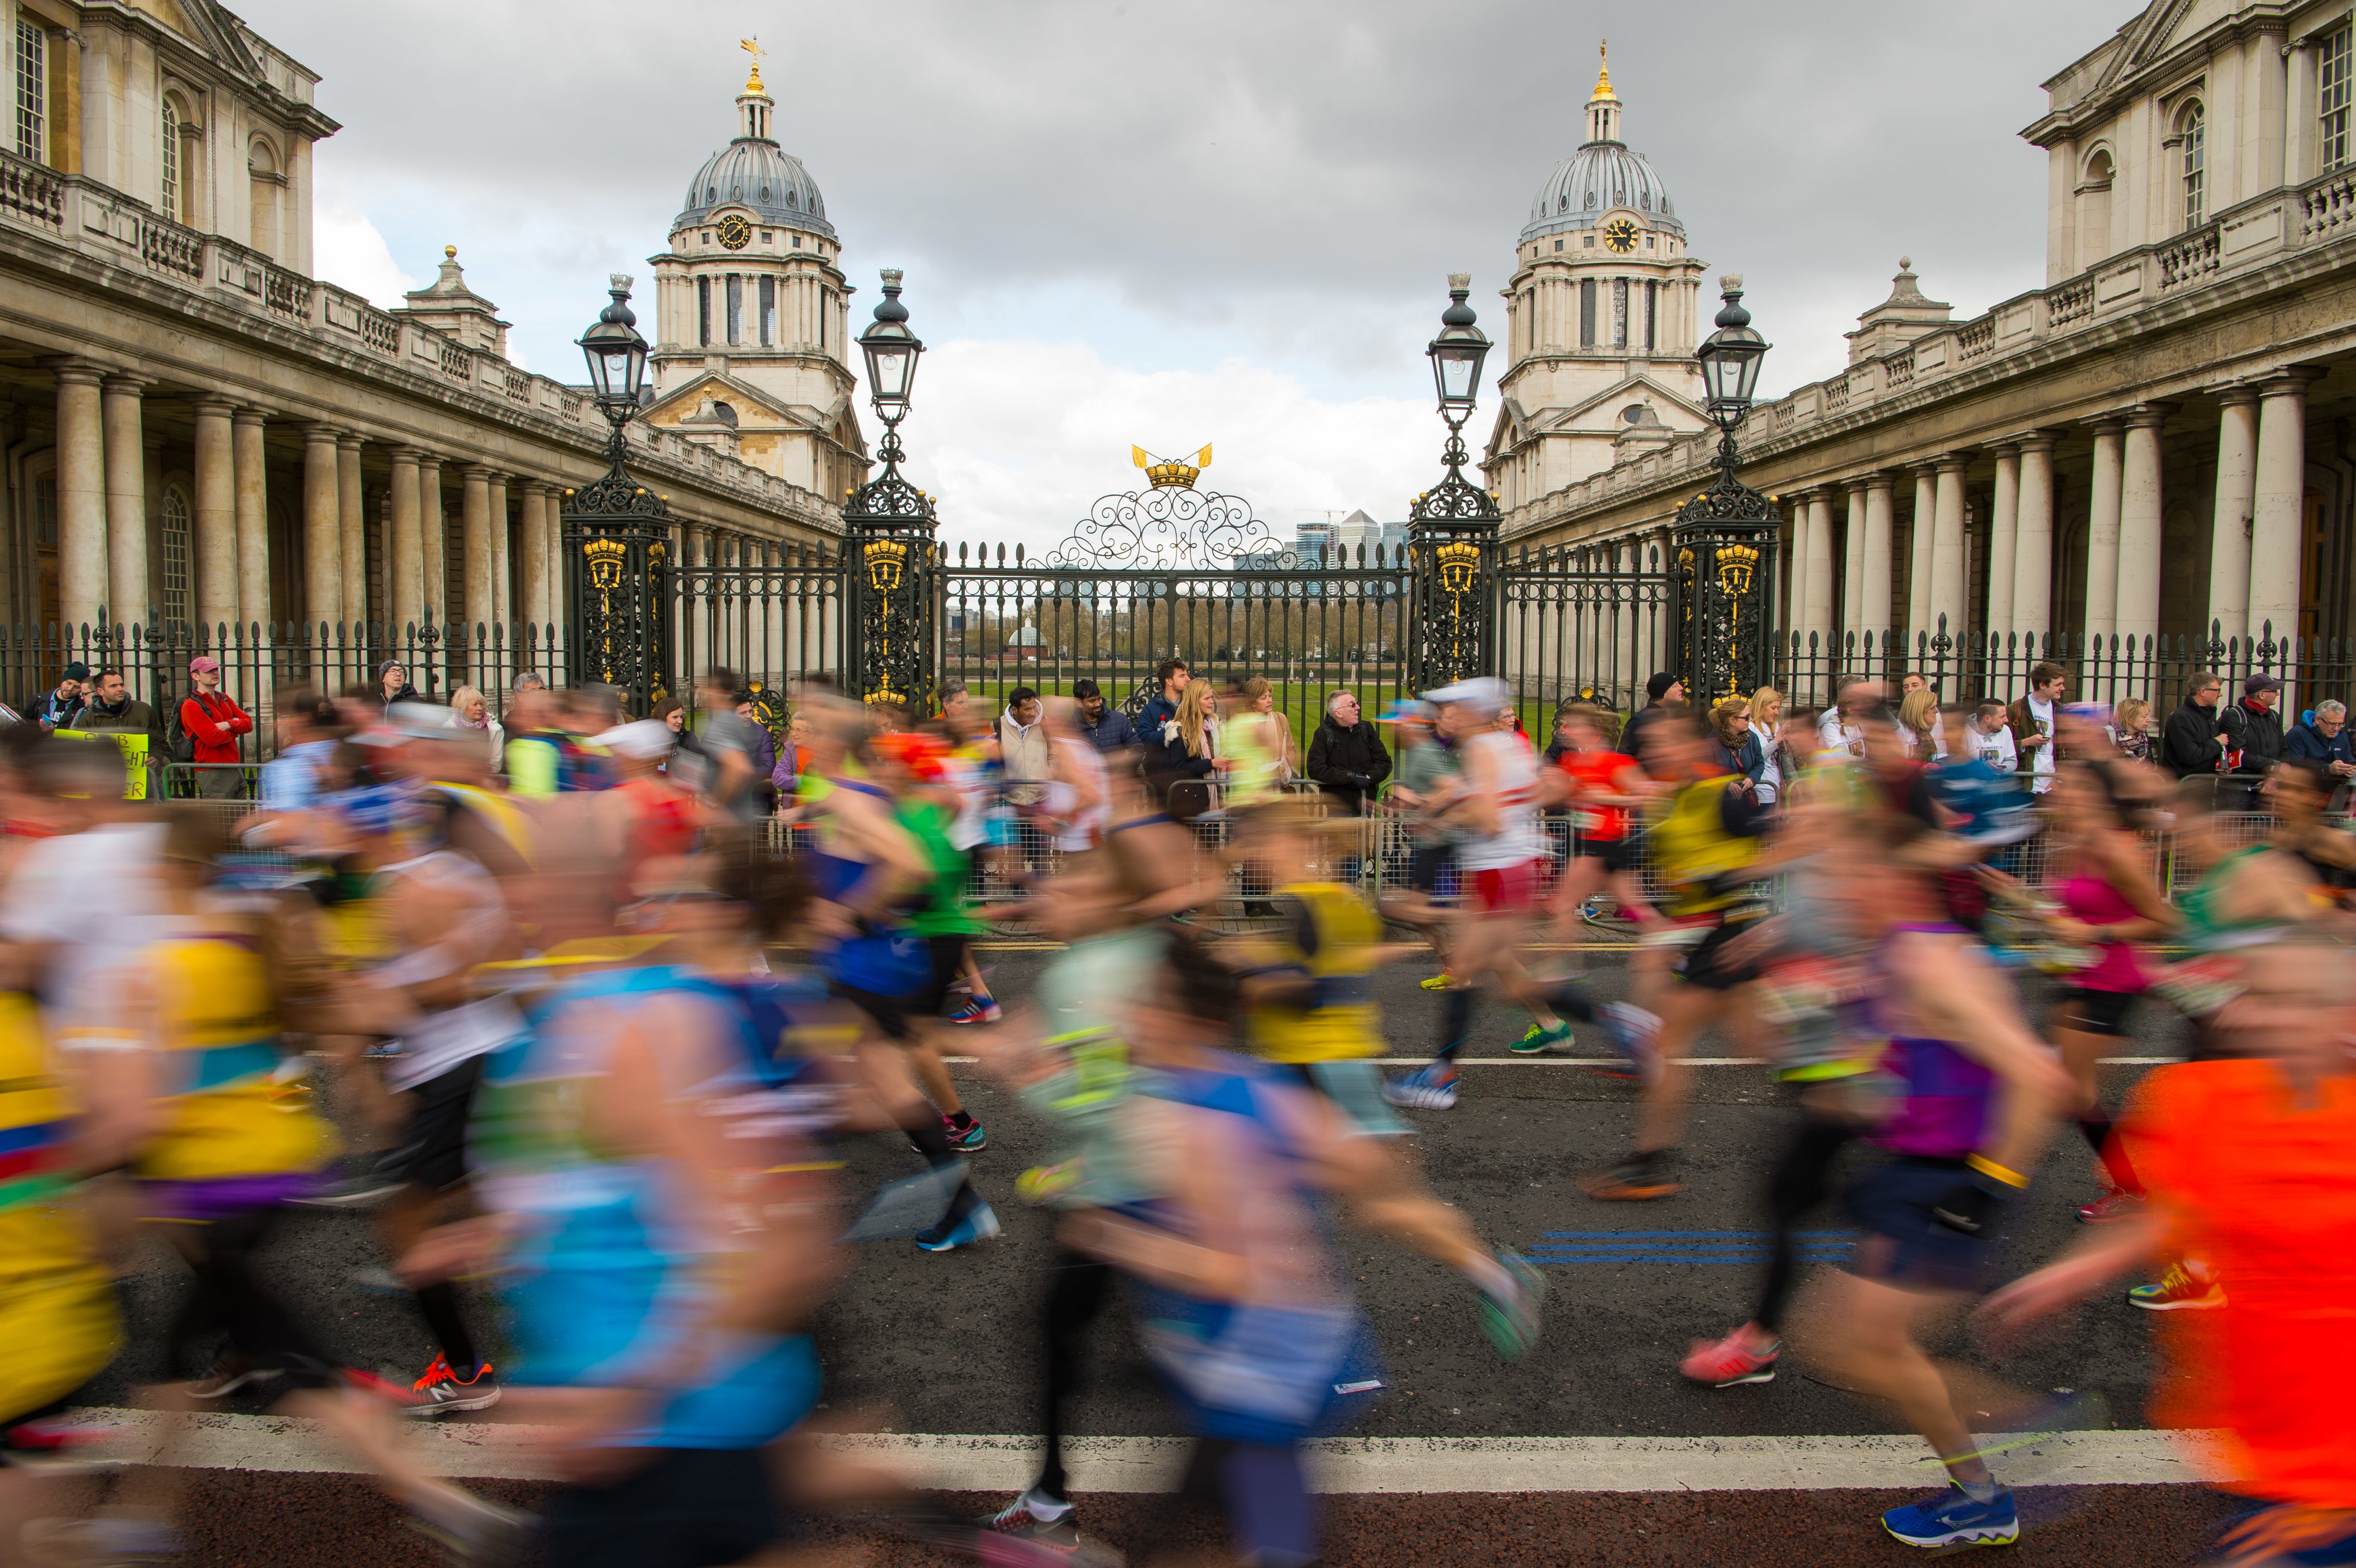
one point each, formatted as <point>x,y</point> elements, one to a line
<point>442,1390</point>
<point>483,1536</point>
<point>1428,1088</point>
<point>1952,1518</point>
<point>978,1010</point>
<point>2288,1535</point>
<point>1544,1039</point>
<point>1636,1034</point>
<point>1439,982</point>
<point>2112,1206</point>
<point>62,1445</point>
<point>229,1374</point>
<point>359,1192</point>
<point>979,1225</point>
<point>1746,1356</point>
<point>379,1280</point>
<point>1061,1535</point>
<point>115,1538</point>
<point>973,1140</point>
<point>1632,1181</point>
<point>2179,1290</point>
<point>1511,1320</point>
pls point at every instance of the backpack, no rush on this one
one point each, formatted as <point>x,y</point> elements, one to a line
<point>178,741</point>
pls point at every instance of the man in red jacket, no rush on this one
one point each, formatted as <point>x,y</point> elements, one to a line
<point>213,722</point>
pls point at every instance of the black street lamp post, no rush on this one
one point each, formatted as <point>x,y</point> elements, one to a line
<point>887,525</point>
<point>1725,536</point>
<point>617,532</point>
<point>1451,529</point>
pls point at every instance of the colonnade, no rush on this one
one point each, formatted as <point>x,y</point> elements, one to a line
<point>2254,559</point>
<point>103,527</point>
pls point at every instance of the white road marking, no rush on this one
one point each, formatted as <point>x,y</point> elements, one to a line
<point>1006,1463</point>
<point>1606,1060</point>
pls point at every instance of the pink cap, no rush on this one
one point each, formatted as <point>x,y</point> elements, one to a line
<point>203,664</point>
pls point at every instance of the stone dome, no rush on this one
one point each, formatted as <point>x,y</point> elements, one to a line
<point>753,171</point>
<point>1593,181</point>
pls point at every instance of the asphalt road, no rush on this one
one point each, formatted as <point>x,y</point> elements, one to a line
<point>919,1343</point>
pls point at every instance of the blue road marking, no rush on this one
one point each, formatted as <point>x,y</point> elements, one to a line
<point>1727,1247</point>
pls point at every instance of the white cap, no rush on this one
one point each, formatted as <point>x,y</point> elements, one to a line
<point>1486,690</point>
<point>644,739</point>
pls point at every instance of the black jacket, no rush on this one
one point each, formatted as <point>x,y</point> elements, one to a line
<point>1350,763</point>
<point>1631,734</point>
<point>2258,732</point>
<point>2188,743</point>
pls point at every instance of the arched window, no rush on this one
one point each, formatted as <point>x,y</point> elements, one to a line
<point>2191,129</point>
<point>172,551</point>
<point>263,180</point>
<point>168,183</point>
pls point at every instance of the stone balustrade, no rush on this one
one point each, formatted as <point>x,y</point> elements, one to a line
<point>99,223</point>
<point>2012,336</point>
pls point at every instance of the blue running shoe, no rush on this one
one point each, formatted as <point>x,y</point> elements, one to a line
<point>1635,1034</point>
<point>1429,1088</point>
<point>1952,1518</point>
<point>979,1225</point>
<point>2288,1535</point>
<point>973,1140</point>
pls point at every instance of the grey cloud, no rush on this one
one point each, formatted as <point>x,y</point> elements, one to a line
<point>1292,178</point>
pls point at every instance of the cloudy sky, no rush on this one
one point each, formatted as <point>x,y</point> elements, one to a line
<point>1225,222</point>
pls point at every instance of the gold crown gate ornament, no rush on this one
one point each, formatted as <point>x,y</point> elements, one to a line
<point>887,564</point>
<point>1171,473</point>
<point>1460,565</point>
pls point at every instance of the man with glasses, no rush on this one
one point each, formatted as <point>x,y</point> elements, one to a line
<point>2192,741</point>
<point>1346,755</point>
<point>2322,737</point>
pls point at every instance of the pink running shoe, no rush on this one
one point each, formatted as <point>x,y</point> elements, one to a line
<point>1746,1356</point>
<point>2112,1207</point>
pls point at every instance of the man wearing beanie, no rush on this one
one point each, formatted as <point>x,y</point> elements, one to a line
<point>57,708</point>
<point>1664,693</point>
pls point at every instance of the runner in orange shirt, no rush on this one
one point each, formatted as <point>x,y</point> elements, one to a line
<point>2247,1160</point>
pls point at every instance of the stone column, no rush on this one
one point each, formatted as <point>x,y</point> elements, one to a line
<point>2272,85</point>
<point>1820,573</point>
<point>323,543</point>
<point>431,538</point>
<point>1919,572</point>
<point>2004,525</point>
<point>405,573</point>
<point>2032,543</point>
<point>2102,532</point>
<point>252,521</point>
<point>2277,507</point>
<point>2139,532</point>
<point>1873,612</point>
<point>475,539</point>
<point>1853,565</point>
<point>559,570</point>
<point>1948,550</point>
<point>351,528</point>
<point>81,497</point>
<point>502,607</point>
<point>1796,609</point>
<point>470,623</point>
<point>531,538</point>
<point>2237,492</point>
<point>127,503</point>
<point>216,521</point>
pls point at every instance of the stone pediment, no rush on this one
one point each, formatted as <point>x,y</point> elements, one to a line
<point>1612,399</point>
<point>752,406</point>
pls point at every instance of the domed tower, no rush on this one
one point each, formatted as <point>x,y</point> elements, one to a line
<point>751,315</point>
<point>1601,320</point>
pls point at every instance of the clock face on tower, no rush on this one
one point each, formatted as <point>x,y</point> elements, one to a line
<point>735,233</point>
<point>1620,235</point>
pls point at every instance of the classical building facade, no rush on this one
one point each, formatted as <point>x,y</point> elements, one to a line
<point>198,431</point>
<point>752,356</point>
<point>1601,319</point>
<point>2155,444</point>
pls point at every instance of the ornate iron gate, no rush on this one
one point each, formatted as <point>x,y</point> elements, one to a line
<point>1169,572</point>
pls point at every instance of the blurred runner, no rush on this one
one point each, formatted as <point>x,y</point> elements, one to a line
<point>1976,1093</point>
<point>1606,787</point>
<point>2246,1162</point>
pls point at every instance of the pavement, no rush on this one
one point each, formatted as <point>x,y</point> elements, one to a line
<point>1592,1450</point>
